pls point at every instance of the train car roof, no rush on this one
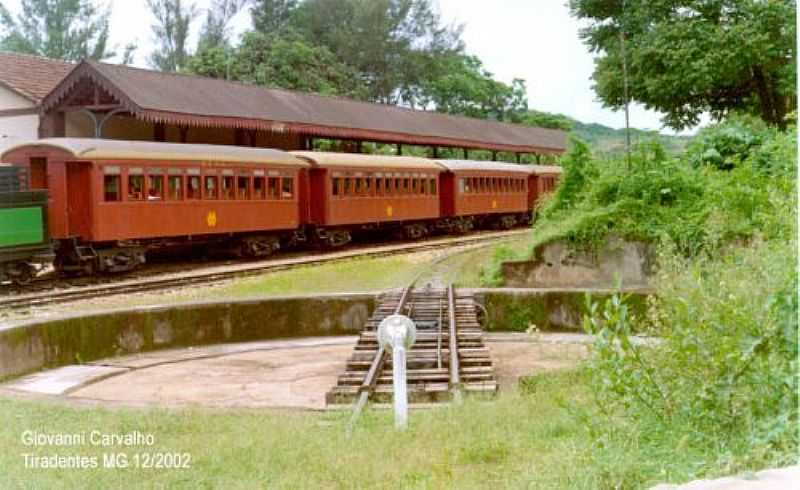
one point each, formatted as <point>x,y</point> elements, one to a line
<point>484,166</point>
<point>96,149</point>
<point>546,169</point>
<point>366,161</point>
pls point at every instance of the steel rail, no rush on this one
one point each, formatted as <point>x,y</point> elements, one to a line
<point>455,378</point>
<point>92,292</point>
<point>439,337</point>
<point>368,385</point>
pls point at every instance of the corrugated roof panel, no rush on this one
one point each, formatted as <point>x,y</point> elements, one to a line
<point>166,94</point>
<point>484,166</point>
<point>93,149</point>
<point>361,160</point>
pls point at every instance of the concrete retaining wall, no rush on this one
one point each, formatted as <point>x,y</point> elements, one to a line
<point>559,265</point>
<point>36,345</point>
<point>510,309</point>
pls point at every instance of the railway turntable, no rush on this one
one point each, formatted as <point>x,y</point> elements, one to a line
<point>449,357</point>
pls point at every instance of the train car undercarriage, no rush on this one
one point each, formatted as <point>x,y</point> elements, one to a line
<point>74,257</point>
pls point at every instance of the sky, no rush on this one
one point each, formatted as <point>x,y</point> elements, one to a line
<point>536,40</point>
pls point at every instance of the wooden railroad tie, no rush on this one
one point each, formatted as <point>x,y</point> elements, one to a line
<point>429,376</point>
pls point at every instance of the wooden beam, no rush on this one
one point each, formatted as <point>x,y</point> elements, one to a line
<point>93,108</point>
<point>159,132</point>
<point>53,125</point>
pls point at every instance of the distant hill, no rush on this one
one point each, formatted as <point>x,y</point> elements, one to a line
<point>604,139</point>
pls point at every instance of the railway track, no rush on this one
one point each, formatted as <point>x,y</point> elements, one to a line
<point>447,360</point>
<point>172,281</point>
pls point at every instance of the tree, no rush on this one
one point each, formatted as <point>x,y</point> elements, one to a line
<point>389,43</point>
<point>270,16</point>
<point>288,61</point>
<point>173,22</point>
<point>463,86</point>
<point>688,57</point>
<point>215,30</point>
<point>541,119</point>
<point>62,29</point>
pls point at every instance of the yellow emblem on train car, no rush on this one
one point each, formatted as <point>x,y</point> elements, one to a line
<point>389,211</point>
<point>494,204</point>
<point>211,219</point>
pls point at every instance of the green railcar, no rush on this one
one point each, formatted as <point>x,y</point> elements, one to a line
<point>24,242</point>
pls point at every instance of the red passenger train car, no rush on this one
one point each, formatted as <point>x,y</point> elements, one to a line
<point>358,191</point>
<point>112,200</point>
<point>543,180</point>
<point>478,193</point>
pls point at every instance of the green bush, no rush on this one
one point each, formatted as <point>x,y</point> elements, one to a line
<point>654,198</point>
<point>491,274</point>
<point>721,379</point>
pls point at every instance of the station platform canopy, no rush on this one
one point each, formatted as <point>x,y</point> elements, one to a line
<point>184,102</point>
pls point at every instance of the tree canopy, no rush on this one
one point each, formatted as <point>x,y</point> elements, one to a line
<point>689,57</point>
<point>63,29</point>
<point>386,51</point>
<point>171,31</point>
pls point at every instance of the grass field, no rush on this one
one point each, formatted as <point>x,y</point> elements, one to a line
<point>519,441</point>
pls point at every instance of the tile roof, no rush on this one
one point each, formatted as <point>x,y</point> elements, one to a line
<point>190,100</point>
<point>33,77</point>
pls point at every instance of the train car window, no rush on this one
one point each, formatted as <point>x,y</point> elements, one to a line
<point>415,186</point>
<point>288,188</point>
<point>243,188</point>
<point>335,183</point>
<point>135,184</point>
<point>228,187</point>
<point>347,189</point>
<point>369,183</point>
<point>175,187</point>
<point>434,190</point>
<point>211,187</point>
<point>193,187</point>
<point>258,188</point>
<point>406,185</point>
<point>272,188</point>
<point>155,185</point>
<point>379,186</point>
<point>112,184</point>
<point>359,183</point>
<point>463,185</point>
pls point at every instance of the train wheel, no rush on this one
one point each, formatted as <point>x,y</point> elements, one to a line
<point>338,238</point>
<point>415,232</point>
<point>22,274</point>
